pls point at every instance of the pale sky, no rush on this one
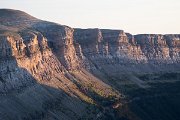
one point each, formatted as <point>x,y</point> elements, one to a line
<point>133,16</point>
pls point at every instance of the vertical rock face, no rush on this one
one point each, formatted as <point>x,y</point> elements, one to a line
<point>40,72</point>
<point>156,48</point>
<point>159,48</point>
<point>117,47</point>
<point>47,70</point>
<point>173,42</point>
<point>107,47</point>
<point>60,40</point>
<point>28,66</point>
<point>12,77</point>
<point>89,40</point>
<point>112,43</point>
<point>29,51</point>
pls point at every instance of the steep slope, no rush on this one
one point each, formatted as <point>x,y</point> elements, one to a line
<point>51,71</point>
<point>38,72</point>
<point>145,68</point>
<point>114,52</point>
<point>118,47</point>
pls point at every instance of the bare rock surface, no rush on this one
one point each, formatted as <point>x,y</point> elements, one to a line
<point>142,53</point>
<point>40,74</point>
<point>50,71</point>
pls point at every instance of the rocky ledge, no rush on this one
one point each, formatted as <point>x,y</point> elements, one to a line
<point>48,70</point>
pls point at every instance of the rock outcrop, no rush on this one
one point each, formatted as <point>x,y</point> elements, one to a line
<point>115,47</point>
<point>52,71</point>
<point>40,74</point>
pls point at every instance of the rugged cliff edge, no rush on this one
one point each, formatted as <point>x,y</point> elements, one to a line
<point>123,48</point>
<point>52,71</point>
<point>40,77</point>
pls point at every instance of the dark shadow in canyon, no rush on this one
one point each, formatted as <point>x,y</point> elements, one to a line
<point>33,101</point>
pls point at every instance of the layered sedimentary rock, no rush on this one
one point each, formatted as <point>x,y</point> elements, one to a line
<point>115,47</point>
<point>60,40</point>
<point>52,71</point>
<point>40,76</point>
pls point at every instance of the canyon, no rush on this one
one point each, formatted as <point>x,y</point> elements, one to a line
<point>50,71</point>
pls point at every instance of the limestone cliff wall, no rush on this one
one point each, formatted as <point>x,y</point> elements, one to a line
<point>51,66</point>
<point>115,47</point>
<point>24,57</point>
<point>60,40</point>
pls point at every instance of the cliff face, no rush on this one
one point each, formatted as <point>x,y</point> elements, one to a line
<point>60,40</point>
<point>144,67</point>
<point>161,48</point>
<point>108,44</point>
<point>39,70</point>
<point>48,70</point>
<point>115,47</point>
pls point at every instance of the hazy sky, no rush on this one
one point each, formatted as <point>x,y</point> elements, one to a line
<point>134,16</point>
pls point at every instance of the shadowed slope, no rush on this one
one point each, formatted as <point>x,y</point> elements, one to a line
<point>52,71</point>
